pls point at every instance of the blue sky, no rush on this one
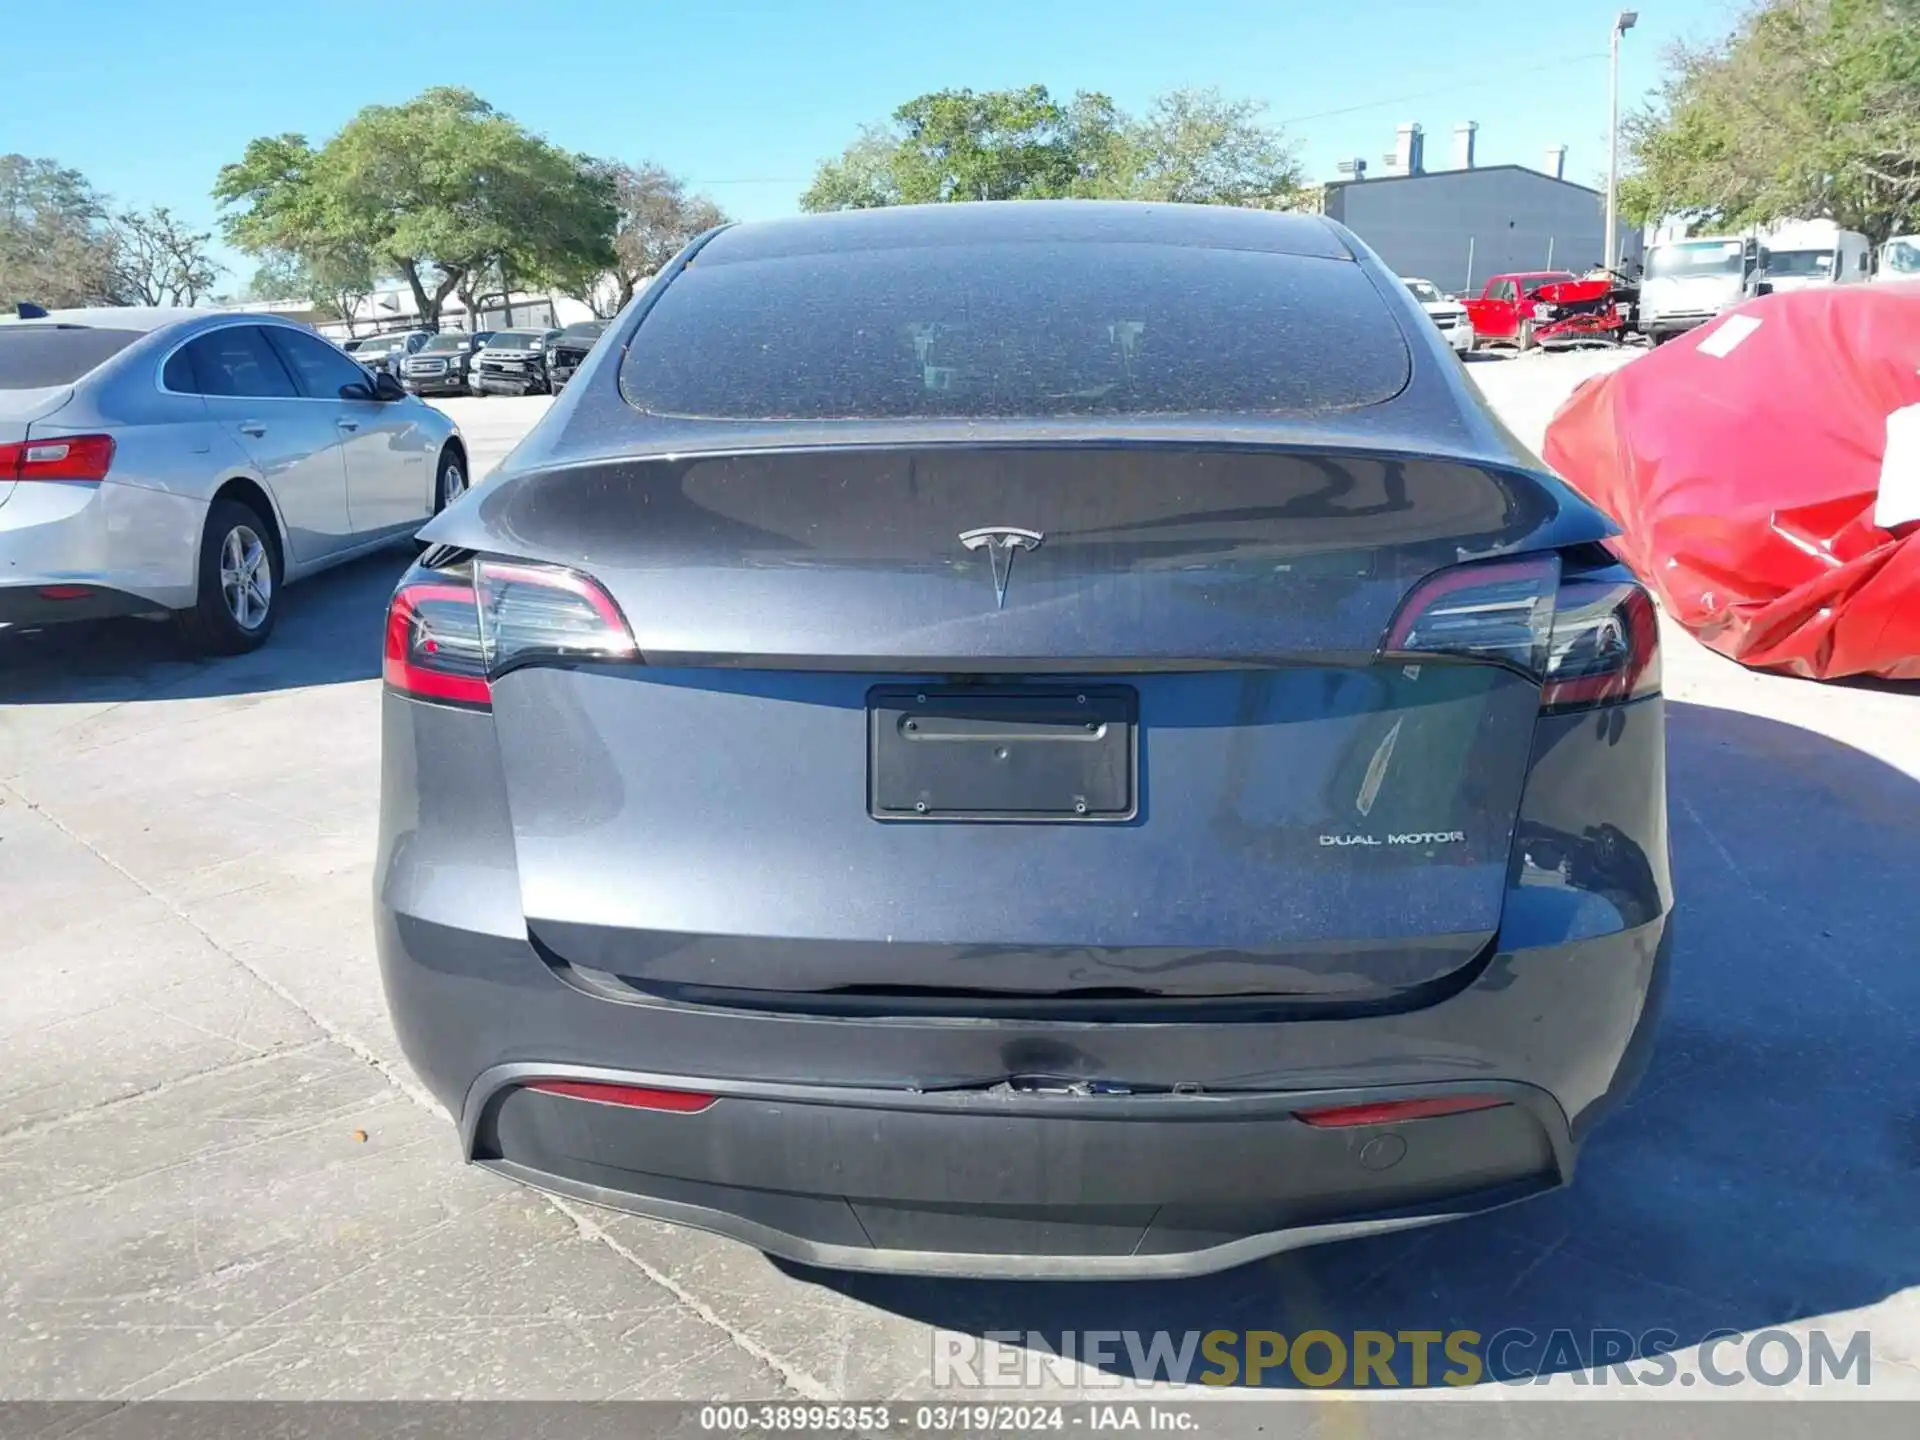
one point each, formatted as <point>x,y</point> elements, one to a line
<point>744,97</point>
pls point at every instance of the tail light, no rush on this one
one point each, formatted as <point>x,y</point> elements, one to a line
<point>67,457</point>
<point>1589,640</point>
<point>452,631</point>
<point>1604,646</point>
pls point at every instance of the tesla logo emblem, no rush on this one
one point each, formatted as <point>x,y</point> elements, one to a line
<point>1001,542</point>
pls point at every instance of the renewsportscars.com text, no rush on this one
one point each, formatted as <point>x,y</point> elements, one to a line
<point>1379,1358</point>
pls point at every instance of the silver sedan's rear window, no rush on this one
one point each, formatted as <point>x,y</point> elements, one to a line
<point>1015,329</point>
<point>35,357</point>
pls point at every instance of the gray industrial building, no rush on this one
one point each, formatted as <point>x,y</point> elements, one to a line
<point>1456,227</point>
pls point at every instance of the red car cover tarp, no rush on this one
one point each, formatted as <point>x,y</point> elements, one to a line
<point>1743,461</point>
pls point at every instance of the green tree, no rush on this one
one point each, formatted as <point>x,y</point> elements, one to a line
<point>955,145</point>
<point>1190,145</point>
<point>1198,147</point>
<point>863,178</point>
<point>434,191</point>
<point>54,245</point>
<point>1808,108</point>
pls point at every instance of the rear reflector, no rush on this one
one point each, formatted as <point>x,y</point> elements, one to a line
<point>637,1097</point>
<point>64,592</point>
<point>1391,1112</point>
<point>70,457</point>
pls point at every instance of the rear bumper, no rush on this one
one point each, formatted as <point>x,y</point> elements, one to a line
<point>1010,1186</point>
<point>881,1142</point>
<point>50,605</point>
<point>134,547</point>
<point>831,1142</point>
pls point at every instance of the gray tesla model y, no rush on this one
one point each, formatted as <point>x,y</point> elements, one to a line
<point>1024,739</point>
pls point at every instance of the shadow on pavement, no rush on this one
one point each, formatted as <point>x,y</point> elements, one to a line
<point>1764,1172</point>
<point>327,634</point>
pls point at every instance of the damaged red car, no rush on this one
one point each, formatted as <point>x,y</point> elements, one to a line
<point>1542,307</point>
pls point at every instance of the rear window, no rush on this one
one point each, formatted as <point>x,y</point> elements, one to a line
<point>1015,329</point>
<point>34,357</point>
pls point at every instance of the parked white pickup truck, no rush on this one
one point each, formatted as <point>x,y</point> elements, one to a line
<point>1446,312</point>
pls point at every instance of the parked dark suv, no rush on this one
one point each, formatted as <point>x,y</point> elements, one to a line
<point>568,353</point>
<point>441,365</point>
<point>513,362</point>
<point>387,352</point>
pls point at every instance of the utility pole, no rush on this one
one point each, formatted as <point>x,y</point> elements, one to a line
<point>1622,23</point>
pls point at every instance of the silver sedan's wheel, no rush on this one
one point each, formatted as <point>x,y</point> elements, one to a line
<point>246,577</point>
<point>239,582</point>
<point>453,481</point>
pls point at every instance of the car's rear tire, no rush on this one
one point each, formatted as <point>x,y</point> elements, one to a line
<point>449,484</point>
<point>239,583</point>
<point>450,479</point>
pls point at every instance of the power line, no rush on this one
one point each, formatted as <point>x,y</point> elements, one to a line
<point>1559,64</point>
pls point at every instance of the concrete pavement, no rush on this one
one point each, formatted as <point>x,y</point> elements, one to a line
<point>218,1179</point>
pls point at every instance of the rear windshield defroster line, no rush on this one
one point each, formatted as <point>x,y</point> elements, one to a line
<point>1015,330</point>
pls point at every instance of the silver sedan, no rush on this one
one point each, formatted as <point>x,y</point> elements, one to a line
<point>195,463</point>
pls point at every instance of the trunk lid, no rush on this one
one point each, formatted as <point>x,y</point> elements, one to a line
<point>821,557</point>
<point>1309,823</point>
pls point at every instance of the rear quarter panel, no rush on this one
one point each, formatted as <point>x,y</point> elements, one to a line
<point>144,526</point>
<point>162,441</point>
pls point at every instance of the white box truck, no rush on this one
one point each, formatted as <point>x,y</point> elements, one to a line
<point>1899,259</point>
<point>1805,253</point>
<point>1685,283</point>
